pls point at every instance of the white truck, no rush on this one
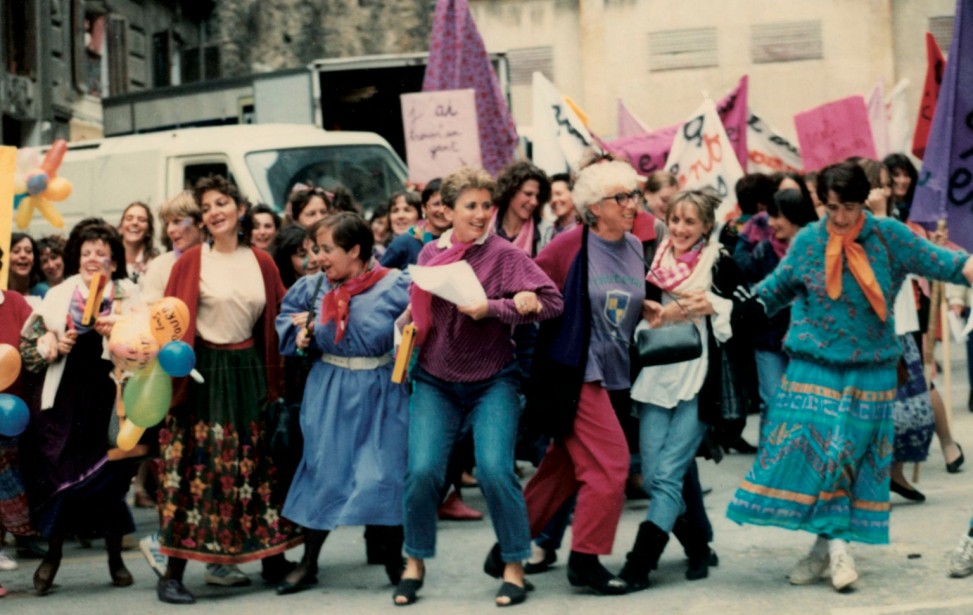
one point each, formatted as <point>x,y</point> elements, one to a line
<point>264,160</point>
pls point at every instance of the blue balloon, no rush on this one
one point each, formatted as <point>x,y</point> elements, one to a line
<point>13,415</point>
<point>37,184</point>
<point>177,359</point>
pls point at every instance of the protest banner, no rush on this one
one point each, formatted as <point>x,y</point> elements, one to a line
<point>559,135</point>
<point>945,186</point>
<point>734,114</point>
<point>935,65</point>
<point>8,166</point>
<point>767,151</point>
<point>440,133</point>
<point>458,60</point>
<point>878,120</point>
<point>628,124</point>
<point>702,156</point>
<point>897,108</point>
<point>834,131</point>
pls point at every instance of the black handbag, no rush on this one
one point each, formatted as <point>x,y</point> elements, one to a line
<point>667,345</point>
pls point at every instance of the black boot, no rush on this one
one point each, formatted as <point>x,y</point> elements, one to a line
<point>650,542</point>
<point>584,570</point>
<point>374,547</point>
<point>693,542</point>
<point>393,538</point>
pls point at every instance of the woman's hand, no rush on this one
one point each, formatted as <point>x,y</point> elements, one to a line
<point>66,342</point>
<point>47,347</point>
<point>526,302</point>
<point>303,338</point>
<point>696,304</point>
<point>104,324</point>
<point>299,319</point>
<point>477,311</point>
<point>652,313</point>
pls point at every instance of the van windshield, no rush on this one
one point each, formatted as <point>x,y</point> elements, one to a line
<point>370,172</point>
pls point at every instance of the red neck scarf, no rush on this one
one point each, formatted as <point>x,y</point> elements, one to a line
<point>336,302</point>
<point>421,300</point>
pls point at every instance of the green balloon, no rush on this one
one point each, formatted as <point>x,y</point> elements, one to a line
<point>147,395</point>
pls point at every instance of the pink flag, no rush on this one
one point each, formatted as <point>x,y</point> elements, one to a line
<point>458,60</point>
<point>733,112</point>
<point>647,152</point>
<point>834,131</point>
<point>628,124</point>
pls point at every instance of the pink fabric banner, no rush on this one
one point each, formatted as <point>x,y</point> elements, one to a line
<point>458,60</point>
<point>734,114</point>
<point>628,124</point>
<point>834,131</point>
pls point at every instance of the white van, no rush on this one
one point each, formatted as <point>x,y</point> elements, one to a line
<point>264,160</point>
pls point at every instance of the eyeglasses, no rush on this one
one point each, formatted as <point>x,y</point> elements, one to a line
<point>623,197</point>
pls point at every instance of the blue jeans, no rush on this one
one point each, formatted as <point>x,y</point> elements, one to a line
<point>669,439</point>
<point>770,371</point>
<point>437,413</point>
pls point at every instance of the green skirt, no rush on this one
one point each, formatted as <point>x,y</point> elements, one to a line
<point>221,495</point>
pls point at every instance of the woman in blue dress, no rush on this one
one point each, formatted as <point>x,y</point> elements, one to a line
<point>353,418</point>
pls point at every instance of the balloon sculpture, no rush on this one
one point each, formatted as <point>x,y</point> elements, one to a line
<point>13,410</point>
<point>40,187</point>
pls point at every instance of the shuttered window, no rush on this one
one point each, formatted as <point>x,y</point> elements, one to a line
<point>786,41</point>
<point>117,46</point>
<point>688,48</point>
<point>523,62</point>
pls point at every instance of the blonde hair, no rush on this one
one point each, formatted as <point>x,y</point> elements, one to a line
<point>183,205</point>
<point>706,202</point>
<point>463,179</point>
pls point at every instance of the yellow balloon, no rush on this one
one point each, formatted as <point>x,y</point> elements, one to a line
<point>20,186</point>
<point>58,189</point>
<point>25,211</point>
<point>128,435</point>
<point>50,212</point>
<point>9,365</point>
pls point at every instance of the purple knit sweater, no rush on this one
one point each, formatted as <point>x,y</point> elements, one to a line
<point>460,349</point>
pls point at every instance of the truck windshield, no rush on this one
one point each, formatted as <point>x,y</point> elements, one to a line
<point>370,172</point>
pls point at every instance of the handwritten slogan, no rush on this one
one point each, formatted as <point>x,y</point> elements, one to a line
<point>440,133</point>
<point>834,131</point>
<point>768,152</point>
<point>702,155</point>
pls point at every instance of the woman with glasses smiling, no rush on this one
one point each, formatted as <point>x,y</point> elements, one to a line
<point>581,374</point>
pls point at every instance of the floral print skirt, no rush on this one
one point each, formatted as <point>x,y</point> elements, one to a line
<point>220,493</point>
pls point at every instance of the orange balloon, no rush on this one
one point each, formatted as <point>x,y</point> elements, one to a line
<point>58,189</point>
<point>128,435</point>
<point>168,319</point>
<point>9,365</point>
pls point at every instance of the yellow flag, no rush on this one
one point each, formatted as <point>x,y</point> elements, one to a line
<point>8,161</point>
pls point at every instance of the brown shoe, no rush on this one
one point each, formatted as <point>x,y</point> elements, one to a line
<point>454,509</point>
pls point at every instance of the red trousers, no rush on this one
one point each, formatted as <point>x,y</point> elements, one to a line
<point>592,462</point>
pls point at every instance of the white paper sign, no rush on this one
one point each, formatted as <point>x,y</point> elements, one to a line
<point>441,133</point>
<point>454,282</point>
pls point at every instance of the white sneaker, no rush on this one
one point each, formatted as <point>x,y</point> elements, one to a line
<point>843,571</point>
<point>961,559</point>
<point>150,549</point>
<point>7,562</point>
<point>809,569</point>
<point>225,575</point>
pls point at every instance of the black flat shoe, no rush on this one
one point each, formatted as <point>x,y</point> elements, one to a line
<point>173,591</point>
<point>741,446</point>
<point>275,572</point>
<point>121,577</point>
<point>514,594</point>
<point>910,494</point>
<point>308,579</point>
<point>44,576</point>
<point>542,566</point>
<point>598,579</point>
<point>407,589</point>
<point>699,567</point>
<point>954,466</point>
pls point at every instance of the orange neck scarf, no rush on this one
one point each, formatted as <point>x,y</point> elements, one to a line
<point>857,263</point>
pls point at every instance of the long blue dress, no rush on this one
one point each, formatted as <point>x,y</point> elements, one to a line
<point>354,422</point>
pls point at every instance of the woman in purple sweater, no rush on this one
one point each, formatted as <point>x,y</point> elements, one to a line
<point>466,374</point>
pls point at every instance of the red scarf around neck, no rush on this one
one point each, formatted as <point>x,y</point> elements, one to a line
<point>336,302</point>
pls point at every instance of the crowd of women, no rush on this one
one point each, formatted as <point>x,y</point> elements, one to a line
<point>806,308</point>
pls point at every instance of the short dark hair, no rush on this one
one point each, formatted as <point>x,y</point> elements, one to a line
<point>300,199</point>
<point>148,242</point>
<point>412,199</point>
<point>286,243</point>
<point>901,162</point>
<point>754,189</point>
<point>224,186</point>
<point>431,188</point>
<point>349,230</point>
<point>263,208</point>
<point>563,177</point>
<point>510,180</point>
<point>846,179</point>
<point>94,229</point>
<point>793,205</point>
<point>36,274</point>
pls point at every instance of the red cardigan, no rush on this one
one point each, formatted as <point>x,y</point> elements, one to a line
<point>184,284</point>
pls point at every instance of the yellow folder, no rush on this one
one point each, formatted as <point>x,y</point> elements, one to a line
<point>404,355</point>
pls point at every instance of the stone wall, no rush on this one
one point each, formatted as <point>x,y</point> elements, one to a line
<point>267,35</point>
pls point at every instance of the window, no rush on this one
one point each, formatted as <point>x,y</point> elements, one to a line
<point>785,41</point>
<point>20,36</point>
<point>196,69</point>
<point>166,58</point>
<point>689,48</point>
<point>523,62</point>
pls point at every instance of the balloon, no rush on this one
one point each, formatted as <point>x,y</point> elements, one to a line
<point>128,435</point>
<point>20,186</point>
<point>147,395</point>
<point>50,212</point>
<point>52,160</point>
<point>13,415</point>
<point>37,182</point>
<point>58,189</point>
<point>131,345</point>
<point>177,358</point>
<point>9,365</point>
<point>169,319</point>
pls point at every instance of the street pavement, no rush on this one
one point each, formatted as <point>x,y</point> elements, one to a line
<point>907,576</point>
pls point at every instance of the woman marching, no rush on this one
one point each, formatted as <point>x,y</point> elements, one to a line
<point>353,418</point>
<point>466,373</point>
<point>824,466</point>
<point>220,494</point>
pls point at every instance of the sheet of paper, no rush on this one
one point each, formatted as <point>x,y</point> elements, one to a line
<point>454,282</point>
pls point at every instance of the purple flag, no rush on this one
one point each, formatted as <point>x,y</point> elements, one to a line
<point>734,114</point>
<point>458,60</point>
<point>945,187</point>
